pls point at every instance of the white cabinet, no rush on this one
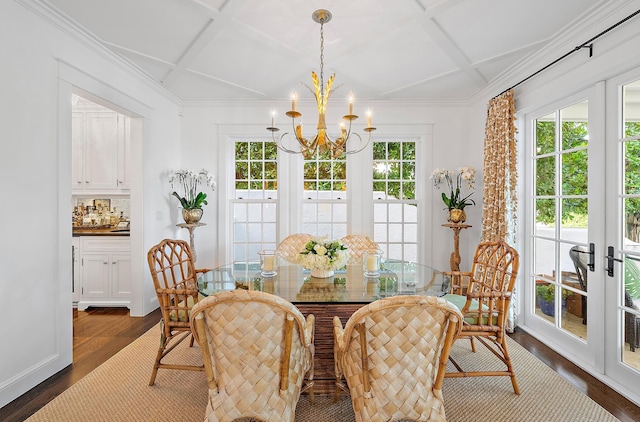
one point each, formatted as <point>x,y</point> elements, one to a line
<point>100,143</point>
<point>75,270</point>
<point>105,272</point>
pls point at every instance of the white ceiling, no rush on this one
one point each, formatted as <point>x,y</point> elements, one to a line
<point>379,49</point>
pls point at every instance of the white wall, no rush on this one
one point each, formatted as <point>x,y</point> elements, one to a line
<point>35,254</point>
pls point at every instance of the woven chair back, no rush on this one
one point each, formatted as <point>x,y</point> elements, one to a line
<point>291,246</point>
<point>356,244</point>
<point>245,341</point>
<point>494,271</point>
<point>174,278</point>
<point>399,375</point>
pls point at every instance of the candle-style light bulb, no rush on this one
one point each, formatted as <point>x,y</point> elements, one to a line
<point>294,99</point>
<point>273,116</point>
<point>350,103</point>
<point>368,118</point>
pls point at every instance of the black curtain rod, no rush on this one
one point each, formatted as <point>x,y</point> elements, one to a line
<point>587,44</point>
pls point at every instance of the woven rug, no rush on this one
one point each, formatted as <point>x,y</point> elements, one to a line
<point>118,390</point>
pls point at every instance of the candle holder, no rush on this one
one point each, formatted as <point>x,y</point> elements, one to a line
<point>371,262</point>
<point>268,263</point>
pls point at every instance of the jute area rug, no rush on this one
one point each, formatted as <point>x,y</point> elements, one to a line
<point>118,390</point>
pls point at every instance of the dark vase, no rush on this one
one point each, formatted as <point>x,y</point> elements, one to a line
<point>548,308</point>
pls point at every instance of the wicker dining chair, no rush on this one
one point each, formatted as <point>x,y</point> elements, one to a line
<point>486,303</point>
<point>393,354</point>
<point>257,350</point>
<point>356,244</point>
<point>174,278</point>
<point>291,246</point>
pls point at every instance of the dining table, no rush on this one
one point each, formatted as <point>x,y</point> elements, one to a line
<point>340,295</point>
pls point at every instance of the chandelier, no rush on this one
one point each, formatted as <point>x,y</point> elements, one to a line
<point>321,141</point>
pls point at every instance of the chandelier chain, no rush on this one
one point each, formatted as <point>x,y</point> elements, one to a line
<point>322,60</point>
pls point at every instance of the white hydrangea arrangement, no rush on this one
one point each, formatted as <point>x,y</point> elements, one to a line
<point>323,254</point>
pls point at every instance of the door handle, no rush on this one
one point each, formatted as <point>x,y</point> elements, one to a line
<point>592,257</point>
<point>610,259</point>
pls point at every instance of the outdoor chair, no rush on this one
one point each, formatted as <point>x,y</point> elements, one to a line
<point>485,305</point>
<point>356,244</point>
<point>257,350</point>
<point>393,355</point>
<point>292,245</point>
<point>578,255</point>
<point>174,278</point>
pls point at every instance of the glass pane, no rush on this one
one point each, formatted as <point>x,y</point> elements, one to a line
<point>395,232</point>
<point>408,190</point>
<point>255,212</point>
<point>380,233</point>
<point>240,212</point>
<point>255,232</point>
<point>340,213</point>
<point>574,173</point>
<point>545,217</point>
<point>575,219</point>
<point>411,252</point>
<point>546,134</point>
<point>239,234</point>
<point>255,151</point>
<point>409,151</point>
<point>379,212</point>
<point>545,176</point>
<point>632,167</point>
<point>411,233</point>
<point>242,151</point>
<point>394,150</point>
<point>395,212</point>
<point>269,213</point>
<point>575,128</point>
<point>270,151</point>
<point>379,150</point>
<point>571,319</point>
<point>632,220</point>
<point>269,234</point>
<point>393,189</point>
<point>409,170</point>
<point>631,93</point>
<point>545,254</point>
<point>242,170</point>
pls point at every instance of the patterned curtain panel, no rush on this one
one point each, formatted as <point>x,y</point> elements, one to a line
<point>500,177</point>
<point>500,172</point>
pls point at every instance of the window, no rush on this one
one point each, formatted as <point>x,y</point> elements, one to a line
<point>395,209</point>
<point>324,207</point>
<point>255,203</point>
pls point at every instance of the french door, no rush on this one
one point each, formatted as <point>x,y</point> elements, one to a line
<point>622,356</point>
<point>583,173</point>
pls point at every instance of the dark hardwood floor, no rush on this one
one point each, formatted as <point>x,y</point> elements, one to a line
<point>100,333</point>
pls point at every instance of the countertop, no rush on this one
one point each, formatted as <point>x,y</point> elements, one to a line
<point>87,231</point>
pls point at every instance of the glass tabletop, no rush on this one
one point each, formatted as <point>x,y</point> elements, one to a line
<point>351,285</point>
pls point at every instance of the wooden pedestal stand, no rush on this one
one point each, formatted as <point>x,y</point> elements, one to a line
<point>191,228</point>
<point>454,261</point>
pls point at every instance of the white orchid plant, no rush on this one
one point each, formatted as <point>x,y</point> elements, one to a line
<point>455,181</point>
<point>323,254</point>
<point>190,181</point>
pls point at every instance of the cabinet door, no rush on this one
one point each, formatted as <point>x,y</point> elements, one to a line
<point>124,148</point>
<point>77,146</point>
<point>101,151</point>
<point>75,274</point>
<point>95,275</point>
<point>121,275</point>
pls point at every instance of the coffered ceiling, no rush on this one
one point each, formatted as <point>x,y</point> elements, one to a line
<point>379,49</point>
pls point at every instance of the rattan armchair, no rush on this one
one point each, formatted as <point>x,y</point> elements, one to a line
<point>174,278</point>
<point>291,246</point>
<point>486,303</point>
<point>393,354</point>
<point>356,244</point>
<point>257,350</point>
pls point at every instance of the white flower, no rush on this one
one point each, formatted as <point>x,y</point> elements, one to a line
<point>320,250</point>
<point>323,253</point>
